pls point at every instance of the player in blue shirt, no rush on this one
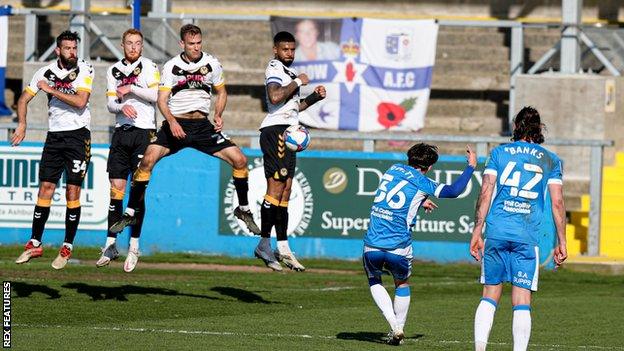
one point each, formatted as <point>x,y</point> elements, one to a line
<point>517,176</point>
<point>388,242</point>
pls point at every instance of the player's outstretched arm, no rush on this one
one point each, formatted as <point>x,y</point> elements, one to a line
<point>459,185</point>
<point>316,96</point>
<point>22,109</point>
<point>220,102</point>
<point>558,210</point>
<point>482,208</point>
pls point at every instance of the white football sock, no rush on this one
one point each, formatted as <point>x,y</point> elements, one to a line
<point>35,242</point>
<point>134,244</point>
<point>282,246</point>
<point>244,208</point>
<point>401,305</point>
<point>383,301</point>
<point>521,327</point>
<point>129,211</point>
<point>69,246</point>
<point>484,317</point>
<point>110,241</point>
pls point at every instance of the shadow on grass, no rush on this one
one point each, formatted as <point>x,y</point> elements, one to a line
<point>374,337</point>
<point>240,294</point>
<point>119,293</point>
<point>25,290</point>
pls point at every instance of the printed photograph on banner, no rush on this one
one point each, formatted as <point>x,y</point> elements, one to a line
<point>317,39</point>
<point>19,180</point>
<point>382,109</point>
<point>323,115</point>
<point>398,44</point>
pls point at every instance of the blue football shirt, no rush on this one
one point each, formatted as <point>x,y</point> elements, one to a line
<point>523,171</point>
<point>400,194</point>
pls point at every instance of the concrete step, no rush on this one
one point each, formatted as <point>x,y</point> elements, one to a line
<point>467,38</point>
<point>470,53</point>
<point>484,125</point>
<point>463,107</point>
<point>244,103</point>
<point>480,67</point>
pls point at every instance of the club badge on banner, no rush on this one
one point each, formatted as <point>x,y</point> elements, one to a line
<point>377,72</point>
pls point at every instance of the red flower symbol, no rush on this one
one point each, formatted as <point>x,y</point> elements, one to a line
<point>391,114</point>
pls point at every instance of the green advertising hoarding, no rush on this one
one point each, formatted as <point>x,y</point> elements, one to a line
<point>332,194</point>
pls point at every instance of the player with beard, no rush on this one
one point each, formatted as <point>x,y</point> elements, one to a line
<point>284,104</point>
<point>67,82</point>
<point>184,98</point>
<point>132,92</point>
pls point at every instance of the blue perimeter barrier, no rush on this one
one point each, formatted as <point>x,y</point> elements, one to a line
<point>182,216</point>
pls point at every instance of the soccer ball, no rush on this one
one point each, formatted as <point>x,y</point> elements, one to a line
<point>297,138</point>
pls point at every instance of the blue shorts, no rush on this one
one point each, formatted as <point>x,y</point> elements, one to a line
<point>508,261</point>
<point>397,262</point>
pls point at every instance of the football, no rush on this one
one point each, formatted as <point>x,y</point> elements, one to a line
<point>297,138</point>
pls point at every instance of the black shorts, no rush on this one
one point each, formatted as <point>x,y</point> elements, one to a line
<point>279,161</point>
<point>200,135</point>
<point>67,150</point>
<point>127,149</point>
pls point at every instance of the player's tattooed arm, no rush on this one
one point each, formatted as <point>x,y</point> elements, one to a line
<point>278,94</point>
<point>484,200</point>
<point>483,206</point>
<point>559,216</point>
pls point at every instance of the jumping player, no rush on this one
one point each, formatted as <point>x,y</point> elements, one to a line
<point>283,100</point>
<point>187,83</point>
<point>132,91</point>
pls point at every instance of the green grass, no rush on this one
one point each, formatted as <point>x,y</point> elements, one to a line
<point>83,308</point>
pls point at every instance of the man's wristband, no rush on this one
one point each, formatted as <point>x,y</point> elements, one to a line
<point>298,81</point>
<point>313,98</point>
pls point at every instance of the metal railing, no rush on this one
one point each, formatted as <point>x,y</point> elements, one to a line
<point>482,146</point>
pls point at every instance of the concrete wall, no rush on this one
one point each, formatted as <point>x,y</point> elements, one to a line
<point>575,107</point>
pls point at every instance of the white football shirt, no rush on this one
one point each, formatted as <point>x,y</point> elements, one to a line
<point>142,73</point>
<point>286,112</point>
<point>191,83</point>
<point>62,116</point>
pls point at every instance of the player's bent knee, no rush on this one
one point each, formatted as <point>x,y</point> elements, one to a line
<point>239,161</point>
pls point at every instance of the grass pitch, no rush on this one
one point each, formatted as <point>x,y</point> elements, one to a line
<point>243,306</point>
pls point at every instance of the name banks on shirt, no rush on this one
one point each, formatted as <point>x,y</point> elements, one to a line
<point>523,171</point>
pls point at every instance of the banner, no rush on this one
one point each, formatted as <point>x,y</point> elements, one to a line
<point>377,72</point>
<point>332,197</point>
<point>19,185</point>
<point>5,12</point>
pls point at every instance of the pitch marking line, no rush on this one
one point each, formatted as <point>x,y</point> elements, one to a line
<point>302,336</point>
